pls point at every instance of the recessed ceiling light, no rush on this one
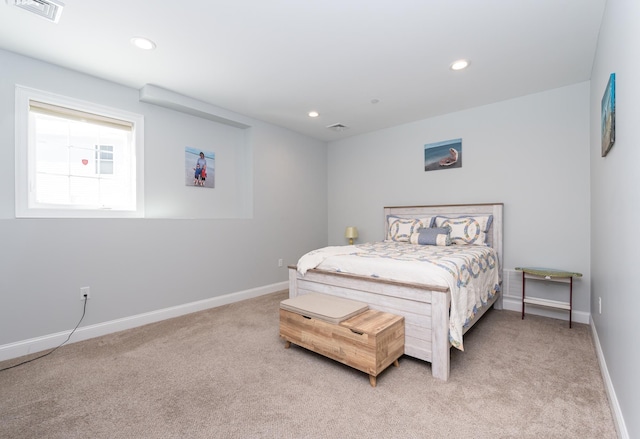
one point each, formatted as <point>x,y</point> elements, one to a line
<point>460,64</point>
<point>143,43</point>
<point>313,114</point>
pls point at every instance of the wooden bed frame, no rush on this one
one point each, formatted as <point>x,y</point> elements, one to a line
<point>424,307</point>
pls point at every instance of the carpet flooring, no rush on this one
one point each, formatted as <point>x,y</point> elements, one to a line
<point>224,373</point>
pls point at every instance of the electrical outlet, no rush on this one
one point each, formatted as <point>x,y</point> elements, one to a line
<point>85,291</point>
<point>599,305</point>
<point>279,262</point>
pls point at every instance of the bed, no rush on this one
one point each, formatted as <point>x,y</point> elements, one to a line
<point>424,301</point>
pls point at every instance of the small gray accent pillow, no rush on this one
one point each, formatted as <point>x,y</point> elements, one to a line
<point>432,236</point>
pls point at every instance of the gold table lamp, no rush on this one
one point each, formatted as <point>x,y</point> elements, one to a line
<point>351,233</point>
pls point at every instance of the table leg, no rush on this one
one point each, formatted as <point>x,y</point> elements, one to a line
<point>523,295</point>
<point>570,300</point>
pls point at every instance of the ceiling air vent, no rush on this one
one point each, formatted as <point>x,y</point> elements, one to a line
<point>48,9</point>
<point>338,127</point>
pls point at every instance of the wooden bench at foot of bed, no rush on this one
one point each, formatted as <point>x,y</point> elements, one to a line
<point>365,339</point>
<point>426,313</point>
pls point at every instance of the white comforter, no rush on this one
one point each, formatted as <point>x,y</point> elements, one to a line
<point>470,272</point>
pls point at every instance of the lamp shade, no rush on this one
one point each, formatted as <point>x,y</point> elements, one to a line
<point>351,232</point>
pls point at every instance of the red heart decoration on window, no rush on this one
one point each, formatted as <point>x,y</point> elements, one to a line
<point>85,161</point>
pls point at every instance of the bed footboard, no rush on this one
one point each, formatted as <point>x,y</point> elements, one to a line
<point>425,309</point>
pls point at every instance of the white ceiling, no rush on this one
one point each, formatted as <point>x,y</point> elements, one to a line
<point>275,60</point>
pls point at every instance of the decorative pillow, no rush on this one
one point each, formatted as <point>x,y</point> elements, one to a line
<point>400,229</point>
<point>431,236</point>
<point>467,230</point>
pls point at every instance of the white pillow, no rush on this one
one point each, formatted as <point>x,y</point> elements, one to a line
<point>466,230</point>
<point>400,229</point>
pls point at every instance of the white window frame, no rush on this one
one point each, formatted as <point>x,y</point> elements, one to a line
<point>25,158</point>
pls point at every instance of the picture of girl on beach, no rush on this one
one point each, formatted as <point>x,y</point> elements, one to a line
<point>199,167</point>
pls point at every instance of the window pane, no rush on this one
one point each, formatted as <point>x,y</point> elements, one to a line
<point>77,157</point>
<point>104,159</point>
<point>52,189</point>
<point>52,157</point>
<point>84,191</point>
<point>106,167</point>
<point>81,161</point>
<point>68,147</point>
<point>111,192</point>
<point>106,155</point>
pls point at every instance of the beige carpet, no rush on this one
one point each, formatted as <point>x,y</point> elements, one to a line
<point>224,373</point>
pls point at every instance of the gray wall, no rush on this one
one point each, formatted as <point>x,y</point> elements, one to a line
<point>135,266</point>
<point>564,204</point>
<point>529,153</point>
<point>615,206</point>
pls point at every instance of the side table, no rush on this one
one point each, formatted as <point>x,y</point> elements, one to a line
<point>549,274</point>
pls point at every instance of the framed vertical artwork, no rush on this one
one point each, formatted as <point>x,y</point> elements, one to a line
<point>443,155</point>
<point>199,167</point>
<point>609,115</point>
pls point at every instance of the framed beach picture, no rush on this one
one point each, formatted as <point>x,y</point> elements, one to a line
<point>609,115</point>
<point>199,167</point>
<point>443,155</point>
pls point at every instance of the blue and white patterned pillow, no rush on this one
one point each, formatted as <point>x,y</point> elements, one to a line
<point>431,236</point>
<point>467,230</point>
<point>400,229</point>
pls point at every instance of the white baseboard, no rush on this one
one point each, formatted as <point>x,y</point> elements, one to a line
<point>618,419</point>
<point>514,303</point>
<point>49,341</point>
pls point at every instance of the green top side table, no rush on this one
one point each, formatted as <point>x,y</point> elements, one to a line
<point>548,274</point>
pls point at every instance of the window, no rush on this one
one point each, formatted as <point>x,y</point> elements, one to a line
<point>76,159</point>
<point>104,159</point>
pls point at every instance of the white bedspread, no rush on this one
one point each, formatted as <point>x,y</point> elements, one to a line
<point>470,272</point>
<point>316,257</point>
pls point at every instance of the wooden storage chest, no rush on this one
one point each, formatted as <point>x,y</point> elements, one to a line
<point>369,341</point>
